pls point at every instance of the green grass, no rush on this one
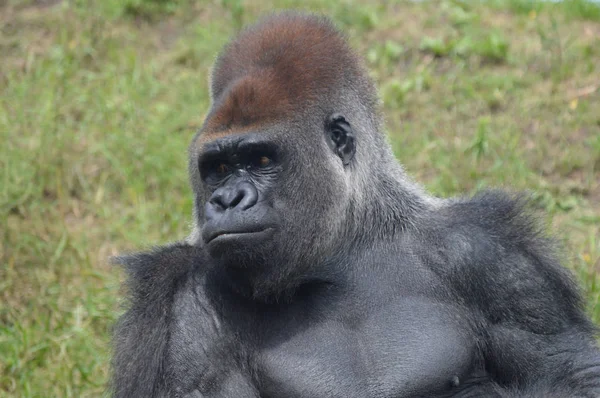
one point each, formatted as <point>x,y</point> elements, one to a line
<point>99,99</point>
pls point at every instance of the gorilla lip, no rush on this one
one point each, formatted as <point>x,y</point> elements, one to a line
<point>224,234</point>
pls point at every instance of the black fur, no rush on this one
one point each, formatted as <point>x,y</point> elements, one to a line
<point>525,314</point>
<point>318,269</point>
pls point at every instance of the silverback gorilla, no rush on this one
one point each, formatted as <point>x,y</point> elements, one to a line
<point>317,268</point>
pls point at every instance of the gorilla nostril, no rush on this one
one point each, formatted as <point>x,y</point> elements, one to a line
<point>248,195</point>
<point>217,201</point>
<point>236,198</point>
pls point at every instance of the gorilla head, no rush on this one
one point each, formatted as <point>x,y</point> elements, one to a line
<point>289,164</point>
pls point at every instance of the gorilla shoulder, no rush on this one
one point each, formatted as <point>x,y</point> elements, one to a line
<point>496,259</point>
<point>155,273</point>
<point>494,253</point>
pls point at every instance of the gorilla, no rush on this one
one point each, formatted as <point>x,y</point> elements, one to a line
<point>317,268</point>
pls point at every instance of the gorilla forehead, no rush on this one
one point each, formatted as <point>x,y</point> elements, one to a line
<point>279,67</point>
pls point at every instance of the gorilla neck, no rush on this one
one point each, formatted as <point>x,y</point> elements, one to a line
<point>274,287</point>
<point>385,204</point>
<point>389,207</point>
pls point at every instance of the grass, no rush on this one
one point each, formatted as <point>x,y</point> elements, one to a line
<point>99,99</point>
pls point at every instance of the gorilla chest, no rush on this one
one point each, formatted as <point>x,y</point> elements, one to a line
<point>410,346</point>
<point>405,349</point>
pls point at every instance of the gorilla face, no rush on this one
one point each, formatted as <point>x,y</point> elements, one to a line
<point>264,205</point>
<point>240,173</point>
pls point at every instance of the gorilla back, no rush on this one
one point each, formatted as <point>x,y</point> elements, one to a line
<point>317,268</point>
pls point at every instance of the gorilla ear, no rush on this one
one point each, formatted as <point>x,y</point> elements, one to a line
<point>340,137</point>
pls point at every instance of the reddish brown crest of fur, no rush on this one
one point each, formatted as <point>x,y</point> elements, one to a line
<point>277,68</point>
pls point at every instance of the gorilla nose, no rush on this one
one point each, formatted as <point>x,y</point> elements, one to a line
<point>241,196</point>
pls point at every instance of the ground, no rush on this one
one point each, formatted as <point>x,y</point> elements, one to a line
<point>99,99</point>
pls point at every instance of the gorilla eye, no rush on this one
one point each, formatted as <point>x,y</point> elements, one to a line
<point>222,168</point>
<point>260,162</point>
<point>264,161</point>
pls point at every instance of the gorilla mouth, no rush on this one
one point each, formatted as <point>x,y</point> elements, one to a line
<point>233,234</point>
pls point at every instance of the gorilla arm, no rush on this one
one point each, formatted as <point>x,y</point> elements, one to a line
<point>537,337</point>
